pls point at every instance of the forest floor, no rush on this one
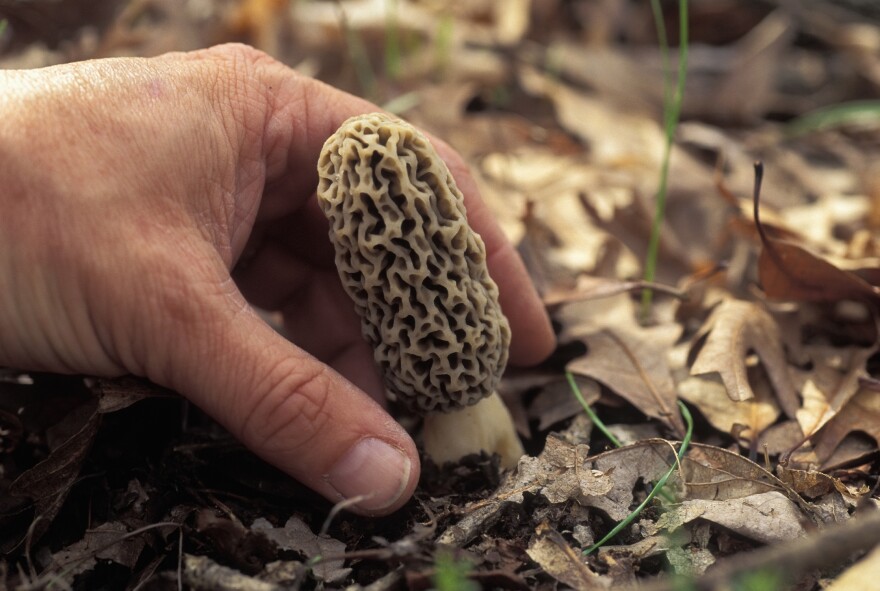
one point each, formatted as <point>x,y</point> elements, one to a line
<point>760,347</point>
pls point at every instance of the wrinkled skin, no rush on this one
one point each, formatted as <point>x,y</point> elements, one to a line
<point>133,187</point>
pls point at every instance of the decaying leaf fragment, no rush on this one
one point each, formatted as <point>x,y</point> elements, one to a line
<point>561,473</point>
<point>566,478</point>
<point>562,562</point>
<point>296,536</point>
<point>104,542</point>
<point>735,328</point>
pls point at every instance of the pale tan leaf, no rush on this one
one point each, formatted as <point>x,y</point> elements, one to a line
<point>744,419</point>
<point>736,328</point>
<point>765,517</point>
<point>830,384</point>
<point>864,575</point>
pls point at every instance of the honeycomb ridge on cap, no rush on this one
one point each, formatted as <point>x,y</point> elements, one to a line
<point>413,267</point>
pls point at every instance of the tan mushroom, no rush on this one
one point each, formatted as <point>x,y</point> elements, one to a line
<point>417,275</point>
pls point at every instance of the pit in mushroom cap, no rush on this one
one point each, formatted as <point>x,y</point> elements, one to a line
<point>414,268</point>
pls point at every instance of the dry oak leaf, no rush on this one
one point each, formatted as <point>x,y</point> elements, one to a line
<point>862,413</point>
<point>744,419</point>
<point>830,384</point>
<point>789,271</point>
<point>735,328</point>
<point>45,486</point>
<point>631,360</point>
<point>716,474</point>
<point>765,517</point>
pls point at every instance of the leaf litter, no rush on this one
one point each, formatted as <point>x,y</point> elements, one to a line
<point>765,325</point>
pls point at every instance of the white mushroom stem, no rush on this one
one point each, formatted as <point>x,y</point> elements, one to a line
<point>485,426</point>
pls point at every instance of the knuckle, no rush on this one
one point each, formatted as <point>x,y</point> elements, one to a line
<point>289,415</point>
<point>240,52</point>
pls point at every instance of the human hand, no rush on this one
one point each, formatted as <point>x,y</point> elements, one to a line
<point>132,187</point>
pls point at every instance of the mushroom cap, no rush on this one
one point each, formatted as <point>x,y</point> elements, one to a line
<point>413,267</point>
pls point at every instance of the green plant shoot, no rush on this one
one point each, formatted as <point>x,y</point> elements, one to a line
<point>671,113</point>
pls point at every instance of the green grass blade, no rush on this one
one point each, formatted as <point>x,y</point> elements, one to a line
<point>685,443</point>
<point>392,41</point>
<point>357,53</point>
<point>849,113</point>
<point>593,416</point>
<point>443,43</point>
<point>671,113</point>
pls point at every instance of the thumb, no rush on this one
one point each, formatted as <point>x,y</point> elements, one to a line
<point>289,408</point>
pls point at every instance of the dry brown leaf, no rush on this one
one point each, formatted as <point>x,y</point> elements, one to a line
<point>556,402</point>
<point>558,459</point>
<point>744,419</point>
<point>616,138</point>
<point>781,438</point>
<point>588,287</point>
<point>629,359</point>
<point>765,517</point>
<point>735,328</point>
<point>830,384</point>
<point>820,223</point>
<point>812,484</point>
<point>645,461</point>
<point>714,473</point>
<point>120,393</point>
<point>790,272</point>
<point>862,413</point>
<point>48,483</point>
<point>711,473</point>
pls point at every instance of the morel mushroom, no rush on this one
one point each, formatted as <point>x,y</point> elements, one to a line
<point>417,275</point>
